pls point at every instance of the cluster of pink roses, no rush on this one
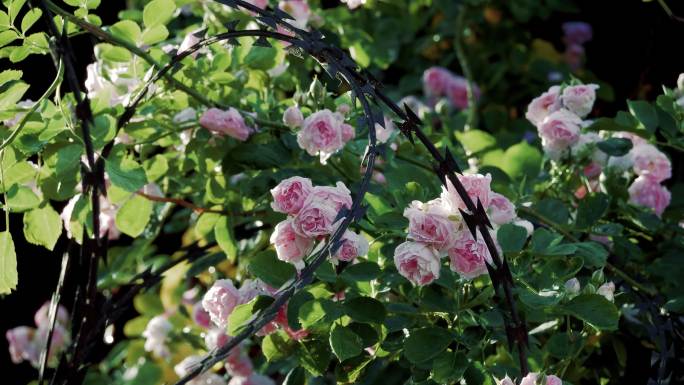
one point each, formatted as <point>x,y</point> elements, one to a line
<point>440,82</point>
<point>437,229</point>
<point>531,379</point>
<point>311,211</point>
<point>558,114</point>
<point>576,34</point>
<point>322,133</point>
<point>26,343</point>
<point>226,122</point>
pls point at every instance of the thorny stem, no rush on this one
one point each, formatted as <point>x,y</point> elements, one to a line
<point>626,277</point>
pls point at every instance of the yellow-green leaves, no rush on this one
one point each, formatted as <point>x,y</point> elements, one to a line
<point>8,264</point>
<point>42,226</point>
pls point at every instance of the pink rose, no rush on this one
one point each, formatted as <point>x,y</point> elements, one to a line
<point>468,257</point>
<point>228,122</point>
<point>649,193</point>
<point>298,9</point>
<point>504,381</point>
<point>259,3</point>
<point>322,134</point>
<point>251,288</point>
<point>315,219</point>
<point>650,162</point>
<point>293,117</point>
<point>530,379</point>
<point>155,336</point>
<point>338,196</point>
<point>344,108</point>
<point>607,290</point>
<point>379,177</point>
<point>592,170</point>
<point>383,134</point>
<point>436,81</point>
<point>289,195</point>
<point>21,344</point>
<point>576,32</point>
<point>543,105</point>
<point>220,301</point>
<point>347,132</point>
<point>429,223</point>
<point>553,380</point>
<point>417,262</point>
<point>501,210</point>
<point>200,316</point>
<point>457,92</point>
<point>579,99</point>
<point>353,245</point>
<point>559,131</point>
<point>476,185</point>
<point>290,247</point>
<point>41,316</point>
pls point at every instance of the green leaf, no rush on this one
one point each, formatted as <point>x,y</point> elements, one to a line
<point>14,8</point>
<point>554,210</point>
<point>449,367</point>
<point>365,309</point>
<point>8,264</point>
<point>30,18</point>
<point>42,226</point>
<point>7,37</point>
<point>594,254</point>
<point>314,356</point>
<point>154,34</point>
<point>156,167</point>
<point>426,343</point>
<point>270,269</point>
<point>363,271</point>
<point>127,30</point>
<point>615,146</point>
<point>475,140</point>
<point>522,159</point>
<point>591,209</point>
<point>261,58</point>
<point>511,238</point>
<point>645,113</point>
<point>21,198</point>
<point>318,312</point>
<point>296,376</point>
<point>345,343</point>
<point>245,312</point>
<point>275,346</point>
<point>224,236</point>
<point>158,12</point>
<point>126,174</point>
<point>595,310</point>
<point>11,92</point>
<point>134,215</point>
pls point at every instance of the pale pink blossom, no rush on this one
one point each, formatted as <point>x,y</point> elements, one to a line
<point>41,317</point>
<point>436,80</point>
<point>185,115</point>
<point>344,108</point>
<point>543,105</point>
<point>607,290</point>
<point>476,185</point>
<point>226,122</point>
<point>107,218</point>
<point>347,132</point>
<point>239,365</point>
<point>353,245</point>
<point>559,131</point>
<point>251,288</point>
<point>201,316</point>
<point>337,197</point>
<point>21,344</point>
<point>579,99</point>
<point>383,134</point>
<point>316,218</point>
<point>293,117</point>
<point>649,193</point>
<point>220,301</point>
<point>468,257</point>
<point>289,195</point>
<point>650,162</point>
<point>155,334</point>
<point>504,381</point>
<point>322,134</point>
<point>429,223</point>
<point>298,9</point>
<point>457,92</point>
<point>553,380</point>
<point>501,210</point>
<point>417,262</point>
<point>530,379</point>
<point>290,247</point>
<point>636,139</point>
<point>353,4</point>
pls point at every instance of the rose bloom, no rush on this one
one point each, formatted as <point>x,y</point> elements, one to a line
<point>353,4</point>
<point>530,379</point>
<point>553,380</point>
<point>338,196</point>
<point>560,130</point>
<point>353,245</point>
<point>476,185</point>
<point>220,301</point>
<point>436,80</point>
<point>468,257</point>
<point>21,344</point>
<point>293,117</point>
<point>315,219</point>
<point>501,210</point>
<point>290,247</point>
<point>429,223</point>
<point>225,122</point>
<point>417,262</point>
<point>41,317</point>
<point>200,316</point>
<point>543,105</point>
<point>579,99</point>
<point>457,92</point>
<point>298,9</point>
<point>607,290</point>
<point>576,32</point>
<point>383,134</point>
<point>504,381</point>
<point>289,195</point>
<point>649,193</point>
<point>322,134</point>
<point>155,336</point>
<point>650,162</point>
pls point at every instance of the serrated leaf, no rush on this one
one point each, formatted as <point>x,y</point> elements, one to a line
<point>511,237</point>
<point>365,309</point>
<point>42,226</point>
<point>270,269</point>
<point>21,198</point>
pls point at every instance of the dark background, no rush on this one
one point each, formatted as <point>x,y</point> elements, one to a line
<point>636,48</point>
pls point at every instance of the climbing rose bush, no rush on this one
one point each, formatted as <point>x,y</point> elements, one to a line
<point>243,179</point>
